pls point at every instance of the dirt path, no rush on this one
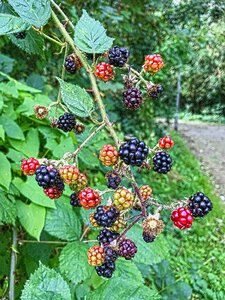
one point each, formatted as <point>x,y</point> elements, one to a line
<point>207,142</point>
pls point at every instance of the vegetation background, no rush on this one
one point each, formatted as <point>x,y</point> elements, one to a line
<point>180,265</point>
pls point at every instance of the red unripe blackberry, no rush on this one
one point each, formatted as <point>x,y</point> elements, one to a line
<point>29,166</point>
<point>66,122</point>
<point>132,98</point>
<point>108,155</point>
<point>96,256</point>
<point>89,198</point>
<point>53,192</point>
<point>104,71</point>
<point>182,218</point>
<point>106,216</point>
<point>162,162</point>
<point>72,63</point>
<point>106,236</point>
<point>200,205</point>
<point>20,35</point>
<point>153,63</point>
<point>166,142</point>
<point>118,56</point>
<point>127,249</point>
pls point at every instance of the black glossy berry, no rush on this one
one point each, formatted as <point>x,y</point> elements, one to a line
<point>148,238</point>
<point>118,56</point>
<point>74,200</point>
<point>106,269</point>
<point>162,162</point>
<point>66,122</point>
<point>113,181</point>
<point>127,249</point>
<point>20,35</point>
<point>200,205</point>
<point>110,254</point>
<point>132,98</point>
<point>106,216</point>
<point>47,177</point>
<point>72,63</point>
<point>106,236</point>
<point>133,152</point>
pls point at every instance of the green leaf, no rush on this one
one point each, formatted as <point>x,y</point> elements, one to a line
<point>14,155</point>
<point>76,99</point>
<point>2,133</point>
<point>5,175</point>
<point>32,218</point>
<point>11,128</point>
<point>46,284</point>
<point>33,192</point>
<point>63,222</point>
<point>90,35</point>
<point>65,145</point>
<point>132,270</point>
<point>148,254</point>
<point>29,147</point>
<point>32,44</point>
<point>33,12</point>
<point>11,24</point>
<point>68,262</point>
<point>7,210</point>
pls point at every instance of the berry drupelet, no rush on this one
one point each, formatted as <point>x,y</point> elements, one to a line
<point>133,152</point>
<point>162,162</point>
<point>106,216</point>
<point>118,56</point>
<point>132,98</point>
<point>66,122</point>
<point>200,205</point>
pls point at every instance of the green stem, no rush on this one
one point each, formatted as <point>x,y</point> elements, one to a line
<point>49,38</point>
<point>62,13</point>
<point>13,265</point>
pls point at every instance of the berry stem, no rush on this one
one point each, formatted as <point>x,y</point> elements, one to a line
<point>130,226</point>
<point>172,206</point>
<point>139,75</point>
<point>13,265</point>
<point>143,205</point>
<point>48,37</point>
<point>67,20</point>
<point>85,232</point>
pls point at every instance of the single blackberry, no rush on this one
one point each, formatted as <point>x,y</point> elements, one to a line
<point>47,177</point>
<point>148,238</point>
<point>72,63</point>
<point>20,35</point>
<point>74,200</point>
<point>106,269</point>
<point>155,90</point>
<point>127,249</point>
<point>162,162</point>
<point>66,122</point>
<point>200,205</point>
<point>118,56</point>
<point>106,216</point>
<point>132,98</point>
<point>133,152</point>
<point>113,181</point>
<point>106,236</point>
<point>110,254</point>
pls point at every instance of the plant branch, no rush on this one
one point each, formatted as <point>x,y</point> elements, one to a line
<point>172,206</point>
<point>13,265</point>
<point>48,37</point>
<point>57,7</point>
<point>143,204</point>
<point>130,226</point>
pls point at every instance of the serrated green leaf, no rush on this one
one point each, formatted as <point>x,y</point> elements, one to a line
<point>132,270</point>
<point>11,128</point>
<point>68,262</point>
<point>33,192</point>
<point>63,222</point>
<point>14,155</point>
<point>32,44</point>
<point>5,175</point>
<point>11,24</point>
<point>76,99</point>
<point>33,12</point>
<point>65,145</point>
<point>29,147</point>
<point>46,284</point>
<point>7,210</point>
<point>90,35</point>
<point>32,218</point>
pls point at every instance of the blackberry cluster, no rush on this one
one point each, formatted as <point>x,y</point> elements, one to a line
<point>20,35</point>
<point>127,249</point>
<point>118,56</point>
<point>133,152</point>
<point>106,269</point>
<point>162,162</point>
<point>66,122</point>
<point>155,90</point>
<point>106,236</point>
<point>132,98</point>
<point>200,205</point>
<point>74,200</point>
<point>148,238</point>
<point>47,177</point>
<point>106,216</point>
<point>113,181</point>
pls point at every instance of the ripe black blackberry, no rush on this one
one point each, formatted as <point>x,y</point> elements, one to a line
<point>74,200</point>
<point>106,236</point>
<point>113,181</point>
<point>200,205</point>
<point>66,122</point>
<point>106,269</point>
<point>110,254</point>
<point>148,238</point>
<point>47,177</point>
<point>133,152</point>
<point>155,90</point>
<point>132,98</point>
<point>162,162</point>
<point>127,249</point>
<point>118,56</point>
<point>106,216</point>
<point>20,35</point>
<point>72,63</point>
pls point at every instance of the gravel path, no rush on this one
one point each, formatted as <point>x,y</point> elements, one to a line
<point>207,142</point>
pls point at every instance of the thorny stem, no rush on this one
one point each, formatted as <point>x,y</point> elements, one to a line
<point>13,265</point>
<point>139,217</point>
<point>20,242</point>
<point>138,75</point>
<point>143,206</point>
<point>63,14</point>
<point>172,206</point>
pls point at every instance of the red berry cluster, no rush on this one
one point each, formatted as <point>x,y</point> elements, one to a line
<point>29,166</point>
<point>166,142</point>
<point>153,63</point>
<point>108,155</point>
<point>104,71</point>
<point>182,218</point>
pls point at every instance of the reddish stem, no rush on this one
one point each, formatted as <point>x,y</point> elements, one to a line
<point>129,226</point>
<point>143,206</point>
